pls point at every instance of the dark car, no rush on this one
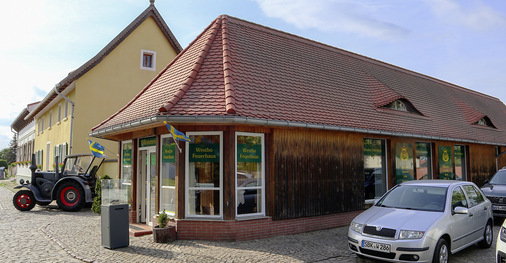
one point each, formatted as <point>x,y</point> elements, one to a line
<point>495,190</point>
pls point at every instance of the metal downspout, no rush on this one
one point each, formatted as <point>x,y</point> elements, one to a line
<point>71,116</point>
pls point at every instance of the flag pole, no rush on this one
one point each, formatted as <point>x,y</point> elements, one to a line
<point>175,141</point>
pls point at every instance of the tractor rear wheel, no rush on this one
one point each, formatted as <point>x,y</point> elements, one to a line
<point>70,196</point>
<point>24,200</point>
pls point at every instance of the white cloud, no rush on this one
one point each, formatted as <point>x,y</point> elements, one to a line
<point>476,15</point>
<point>362,18</point>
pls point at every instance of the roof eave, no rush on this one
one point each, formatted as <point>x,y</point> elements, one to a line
<point>224,119</point>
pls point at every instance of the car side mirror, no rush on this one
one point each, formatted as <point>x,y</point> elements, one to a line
<point>461,210</point>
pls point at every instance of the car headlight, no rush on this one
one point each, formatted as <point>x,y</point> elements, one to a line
<point>410,234</point>
<point>502,234</point>
<point>356,227</point>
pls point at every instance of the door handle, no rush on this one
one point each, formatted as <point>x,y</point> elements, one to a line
<point>470,215</point>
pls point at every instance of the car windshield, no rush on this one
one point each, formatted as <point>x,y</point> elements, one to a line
<point>77,165</point>
<point>426,198</point>
<point>499,178</point>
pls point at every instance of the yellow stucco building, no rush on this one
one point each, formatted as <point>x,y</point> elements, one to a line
<point>99,88</point>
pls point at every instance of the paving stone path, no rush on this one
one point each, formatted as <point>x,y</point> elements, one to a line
<point>47,234</point>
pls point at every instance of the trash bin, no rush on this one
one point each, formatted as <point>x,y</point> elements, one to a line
<point>114,213</point>
<point>2,172</point>
<point>114,224</point>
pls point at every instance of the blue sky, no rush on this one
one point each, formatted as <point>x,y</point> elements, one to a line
<point>461,42</point>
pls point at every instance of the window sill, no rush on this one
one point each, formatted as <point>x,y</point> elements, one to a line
<point>246,218</point>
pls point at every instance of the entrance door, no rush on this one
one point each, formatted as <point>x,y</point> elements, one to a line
<point>146,184</point>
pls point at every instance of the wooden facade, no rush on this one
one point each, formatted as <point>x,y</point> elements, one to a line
<point>308,172</point>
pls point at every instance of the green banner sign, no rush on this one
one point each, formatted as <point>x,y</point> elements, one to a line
<point>127,156</point>
<point>404,162</point>
<point>249,153</point>
<point>169,153</point>
<point>208,152</point>
<point>445,162</point>
<point>147,142</point>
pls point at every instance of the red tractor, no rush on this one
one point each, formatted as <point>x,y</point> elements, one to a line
<point>72,187</point>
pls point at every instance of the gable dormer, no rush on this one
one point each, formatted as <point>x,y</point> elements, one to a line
<point>486,122</point>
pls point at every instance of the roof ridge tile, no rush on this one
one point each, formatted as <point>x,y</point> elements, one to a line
<point>230,104</point>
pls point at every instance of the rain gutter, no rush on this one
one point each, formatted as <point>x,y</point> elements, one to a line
<point>184,119</point>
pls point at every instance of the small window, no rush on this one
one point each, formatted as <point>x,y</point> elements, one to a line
<point>402,105</point>
<point>50,118</point>
<point>485,121</point>
<point>59,112</point>
<point>66,110</point>
<point>148,60</point>
<point>398,105</point>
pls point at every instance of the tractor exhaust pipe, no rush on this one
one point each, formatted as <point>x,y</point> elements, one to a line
<point>33,167</point>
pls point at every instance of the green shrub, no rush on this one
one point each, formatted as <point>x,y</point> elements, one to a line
<point>163,219</point>
<point>97,201</point>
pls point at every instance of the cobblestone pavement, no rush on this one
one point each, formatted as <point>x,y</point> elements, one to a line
<point>47,234</point>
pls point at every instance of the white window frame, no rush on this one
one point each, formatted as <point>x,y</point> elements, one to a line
<point>262,187</point>
<point>50,119</point>
<point>187,175</point>
<point>66,109</point>
<point>153,60</point>
<point>59,112</point>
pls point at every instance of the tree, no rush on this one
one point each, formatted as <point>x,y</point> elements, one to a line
<point>13,149</point>
<point>3,163</point>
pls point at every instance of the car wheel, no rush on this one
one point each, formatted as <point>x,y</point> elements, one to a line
<point>24,200</point>
<point>70,197</point>
<point>442,252</point>
<point>488,236</point>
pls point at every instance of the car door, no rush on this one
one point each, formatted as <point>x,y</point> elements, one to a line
<point>459,223</point>
<point>477,210</point>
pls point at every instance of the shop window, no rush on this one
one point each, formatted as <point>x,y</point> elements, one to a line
<point>460,162</point>
<point>126,167</point>
<point>148,60</point>
<point>168,176</point>
<point>250,179</point>
<point>204,173</point>
<point>375,184</point>
<point>423,161</point>
<point>445,163</point>
<point>404,162</point>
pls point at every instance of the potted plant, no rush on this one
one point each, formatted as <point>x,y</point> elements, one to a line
<point>164,233</point>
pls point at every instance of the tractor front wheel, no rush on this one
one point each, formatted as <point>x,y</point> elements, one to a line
<point>24,200</point>
<point>70,196</point>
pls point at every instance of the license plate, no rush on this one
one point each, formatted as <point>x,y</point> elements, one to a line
<point>499,207</point>
<point>376,246</point>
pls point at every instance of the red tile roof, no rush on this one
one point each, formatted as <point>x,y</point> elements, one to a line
<point>235,68</point>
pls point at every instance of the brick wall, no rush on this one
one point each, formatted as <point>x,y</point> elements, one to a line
<point>233,230</point>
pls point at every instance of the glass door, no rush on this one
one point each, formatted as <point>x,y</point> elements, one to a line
<point>147,185</point>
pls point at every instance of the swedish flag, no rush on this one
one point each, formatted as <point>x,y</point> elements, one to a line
<point>96,149</point>
<point>177,135</point>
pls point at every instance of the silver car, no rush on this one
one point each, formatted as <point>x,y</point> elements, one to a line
<point>423,221</point>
